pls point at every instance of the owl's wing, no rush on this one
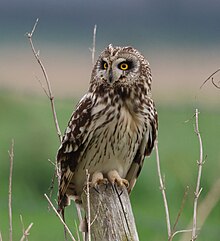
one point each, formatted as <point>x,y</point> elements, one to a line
<point>145,149</point>
<point>72,146</point>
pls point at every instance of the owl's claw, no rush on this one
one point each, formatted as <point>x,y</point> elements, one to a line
<point>114,178</point>
<point>98,179</point>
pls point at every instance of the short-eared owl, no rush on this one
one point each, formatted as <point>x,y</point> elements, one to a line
<point>113,127</point>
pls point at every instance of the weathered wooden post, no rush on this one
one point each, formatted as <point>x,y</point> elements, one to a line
<point>111,216</point>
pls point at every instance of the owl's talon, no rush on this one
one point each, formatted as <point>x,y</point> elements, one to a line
<point>98,179</point>
<point>114,178</point>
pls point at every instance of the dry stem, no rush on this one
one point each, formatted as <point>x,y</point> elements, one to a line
<point>58,215</point>
<point>162,188</point>
<point>178,217</point>
<point>22,224</point>
<point>212,79</point>
<point>181,231</point>
<point>11,155</point>
<point>171,232</point>
<point>198,189</point>
<point>48,92</point>
<point>55,174</point>
<point>93,44</point>
<point>26,232</point>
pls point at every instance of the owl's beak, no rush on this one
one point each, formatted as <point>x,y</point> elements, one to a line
<point>110,75</point>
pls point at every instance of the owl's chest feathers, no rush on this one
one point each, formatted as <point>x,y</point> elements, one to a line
<point>114,139</point>
<point>116,136</point>
<point>121,117</point>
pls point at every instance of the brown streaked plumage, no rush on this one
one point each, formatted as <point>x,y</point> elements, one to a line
<point>113,127</point>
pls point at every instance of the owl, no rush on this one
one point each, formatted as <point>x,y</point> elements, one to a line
<point>113,128</point>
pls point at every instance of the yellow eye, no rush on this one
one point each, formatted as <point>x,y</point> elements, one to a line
<point>105,65</point>
<point>123,66</point>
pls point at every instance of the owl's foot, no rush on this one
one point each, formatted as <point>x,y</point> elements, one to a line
<point>114,178</point>
<point>98,179</point>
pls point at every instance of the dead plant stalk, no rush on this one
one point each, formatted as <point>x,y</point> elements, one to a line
<point>162,188</point>
<point>198,188</point>
<point>11,155</point>
<point>47,91</point>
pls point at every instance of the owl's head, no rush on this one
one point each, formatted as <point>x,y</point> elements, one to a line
<point>121,66</point>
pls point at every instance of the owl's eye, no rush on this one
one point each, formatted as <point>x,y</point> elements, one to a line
<point>104,65</point>
<point>125,65</point>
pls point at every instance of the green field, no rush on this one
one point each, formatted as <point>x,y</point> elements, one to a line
<point>28,120</point>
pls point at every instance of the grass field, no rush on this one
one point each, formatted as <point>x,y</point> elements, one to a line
<point>28,120</point>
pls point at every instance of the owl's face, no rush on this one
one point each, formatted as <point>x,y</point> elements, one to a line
<point>117,68</point>
<point>119,65</point>
<point>123,72</point>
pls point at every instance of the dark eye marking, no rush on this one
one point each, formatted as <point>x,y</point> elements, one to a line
<point>125,65</point>
<point>103,64</point>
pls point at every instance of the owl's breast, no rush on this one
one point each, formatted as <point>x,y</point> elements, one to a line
<point>113,143</point>
<point>129,132</point>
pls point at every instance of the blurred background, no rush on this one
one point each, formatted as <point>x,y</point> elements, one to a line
<point>180,40</point>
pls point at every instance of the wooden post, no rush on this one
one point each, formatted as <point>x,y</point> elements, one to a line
<point>111,214</point>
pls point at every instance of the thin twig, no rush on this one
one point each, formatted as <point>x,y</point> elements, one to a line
<point>55,174</point>
<point>198,188</point>
<point>180,211</point>
<point>87,172</point>
<point>88,205</point>
<point>26,232</point>
<point>49,92</point>
<point>212,79</point>
<point>51,162</point>
<point>58,215</point>
<point>217,86</point>
<point>11,155</point>
<point>93,44</point>
<point>162,188</point>
<point>51,186</point>
<point>42,86</point>
<point>181,231</point>
<point>1,236</point>
<point>22,224</point>
<point>173,232</point>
